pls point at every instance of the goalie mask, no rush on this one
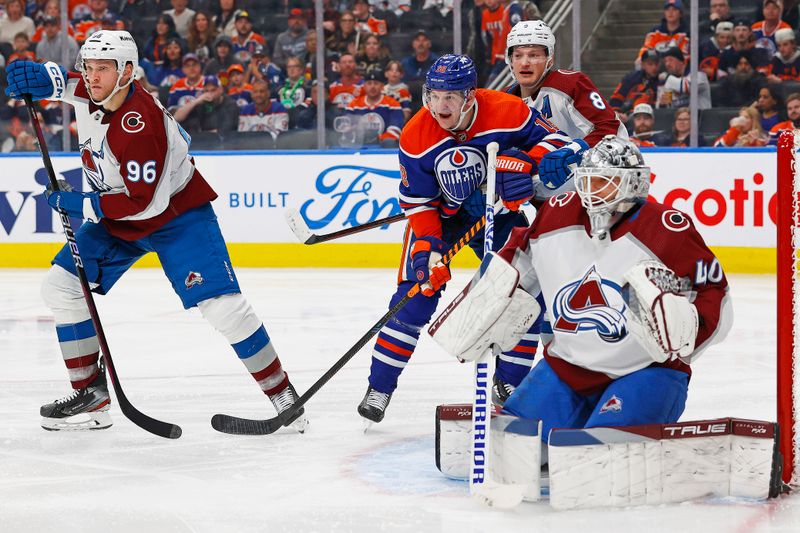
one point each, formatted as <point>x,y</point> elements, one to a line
<point>117,45</point>
<point>611,179</point>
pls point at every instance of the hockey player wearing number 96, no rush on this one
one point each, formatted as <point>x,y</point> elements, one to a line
<point>147,197</point>
<point>633,295</point>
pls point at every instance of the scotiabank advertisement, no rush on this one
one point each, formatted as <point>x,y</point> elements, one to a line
<point>730,195</point>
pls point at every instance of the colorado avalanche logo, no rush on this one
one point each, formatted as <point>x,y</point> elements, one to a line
<point>93,171</point>
<point>460,171</point>
<point>591,303</point>
<point>613,405</point>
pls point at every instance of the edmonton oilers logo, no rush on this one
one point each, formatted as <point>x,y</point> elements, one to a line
<point>460,170</point>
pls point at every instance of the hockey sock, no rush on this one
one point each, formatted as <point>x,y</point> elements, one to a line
<point>514,365</point>
<point>80,349</point>
<point>396,342</point>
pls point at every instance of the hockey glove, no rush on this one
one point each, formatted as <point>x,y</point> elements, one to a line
<point>76,204</point>
<point>429,271</point>
<point>556,167</point>
<point>40,80</point>
<point>514,178</point>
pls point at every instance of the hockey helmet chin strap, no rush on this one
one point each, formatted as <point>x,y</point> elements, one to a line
<point>117,86</point>
<point>461,114</point>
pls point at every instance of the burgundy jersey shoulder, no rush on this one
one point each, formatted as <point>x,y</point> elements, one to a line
<point>571,82</point>
<point>139,119</point>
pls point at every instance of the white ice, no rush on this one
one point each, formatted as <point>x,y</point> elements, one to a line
<point>173,366</point>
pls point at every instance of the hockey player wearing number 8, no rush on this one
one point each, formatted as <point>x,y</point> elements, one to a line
<point>633,296</point>
<point>148,197</point>
<point>567,98</point>
<point>443,162</point>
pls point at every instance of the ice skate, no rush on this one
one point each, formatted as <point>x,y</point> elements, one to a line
<point>501,391</point>
<point>82,409</point>
<point>373,407</point>
<point>283,400</point>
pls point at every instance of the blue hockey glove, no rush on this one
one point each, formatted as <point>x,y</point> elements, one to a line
<point>40,80</point>
<point>515,169</point>
<point>554,168</point>
<point>74,203</point>
<point>429,271</point>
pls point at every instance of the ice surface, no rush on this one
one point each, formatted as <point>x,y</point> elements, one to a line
<point>174,367</point>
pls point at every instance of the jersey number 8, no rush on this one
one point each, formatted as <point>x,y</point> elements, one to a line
<point>146,172</point>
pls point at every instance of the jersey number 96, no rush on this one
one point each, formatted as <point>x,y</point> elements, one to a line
<point>146,172</point>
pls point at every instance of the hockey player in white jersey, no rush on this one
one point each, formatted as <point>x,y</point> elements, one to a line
<point>567,98</point>
<point>147,196</point>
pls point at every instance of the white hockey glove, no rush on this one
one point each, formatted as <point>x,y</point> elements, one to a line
<point>664,322</point>
<point>491,310</point>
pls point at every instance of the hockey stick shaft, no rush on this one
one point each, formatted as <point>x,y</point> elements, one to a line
<point>301,230</point>
<point>157,427</point>
<point>241,426</point>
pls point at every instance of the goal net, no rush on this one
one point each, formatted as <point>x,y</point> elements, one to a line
<point>788,281</point>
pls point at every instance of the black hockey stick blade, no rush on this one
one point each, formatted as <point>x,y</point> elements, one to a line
<point>245,426</point>
<point>304,234</point>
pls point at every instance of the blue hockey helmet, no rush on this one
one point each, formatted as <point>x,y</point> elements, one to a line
<point>452,72</point>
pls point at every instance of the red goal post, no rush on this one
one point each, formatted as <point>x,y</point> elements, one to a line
<point>788,312</point>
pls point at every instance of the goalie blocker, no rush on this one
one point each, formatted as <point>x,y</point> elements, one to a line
<point>622,466</point>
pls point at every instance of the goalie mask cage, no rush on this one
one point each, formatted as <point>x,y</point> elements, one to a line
<point>788,313</point>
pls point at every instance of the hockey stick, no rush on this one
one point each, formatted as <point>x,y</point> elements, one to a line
<point>244,426</point>
<point>303,233</point>
<point>157,427</point>
<point>481,486</point>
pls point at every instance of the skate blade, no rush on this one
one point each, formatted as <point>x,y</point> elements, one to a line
<point>79,422</point>
<point>366,424</point>
<point>300,424</point>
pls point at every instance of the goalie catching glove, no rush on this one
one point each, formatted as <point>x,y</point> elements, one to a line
<point>491,310</point>
<point>663,321</point>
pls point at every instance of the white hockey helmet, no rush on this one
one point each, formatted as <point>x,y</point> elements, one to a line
<point>118,45</point>
<point>621,180</point>
<point>529,33</point>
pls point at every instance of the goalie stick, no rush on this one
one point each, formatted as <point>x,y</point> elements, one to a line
<point>156,427</point>
<point>245,426</point>
<point>303,233</point>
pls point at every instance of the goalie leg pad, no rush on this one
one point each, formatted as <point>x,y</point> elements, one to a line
<point>491,310</point>
<point>656,464</point>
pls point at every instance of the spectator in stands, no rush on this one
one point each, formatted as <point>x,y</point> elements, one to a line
<point>745,130</point>
<point>309,58</point>
<point>15,21</point>
<point>304,116</point>
<point>346,38</point>
<point>98,12</point>
<point>643,121</point>
<point>711,49</point>
<point>52,9</point>
<point>681,131</point>
<point>793,112</point>
<point>264,113</point>
<point>201,36</point>
<point>245,40</point>
<point>213,110</point>
<point>672,32</point>
<point>673,88</point>
<point>396,88</point>
<point>719,11</point>
<point>769,105</point>
<point>292,42</point>
<point>741,87</point>
<point>53,43</point>
<point>23,139</point>
<point>374,118</point>
<point>439,13</point>
<point>417,64</point>
<point>262,68</point>
<point>743,43</point>
<point>223,56</point>
<point>171,69</point>
<point>349,85</point>
<point>182,16</point>
<point>391,10</point>
<point>365,22</point>
<point>238,89</point>
<point>296,88</point>
<point>786,61</point>
<point>22,44</point>
<point>373,54</point>
<point>225,18</point>
<point>155,45</point>
<point>764,30</point>
<point>638,86</point>
<point>189,87</point>
<point>496,22</point>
